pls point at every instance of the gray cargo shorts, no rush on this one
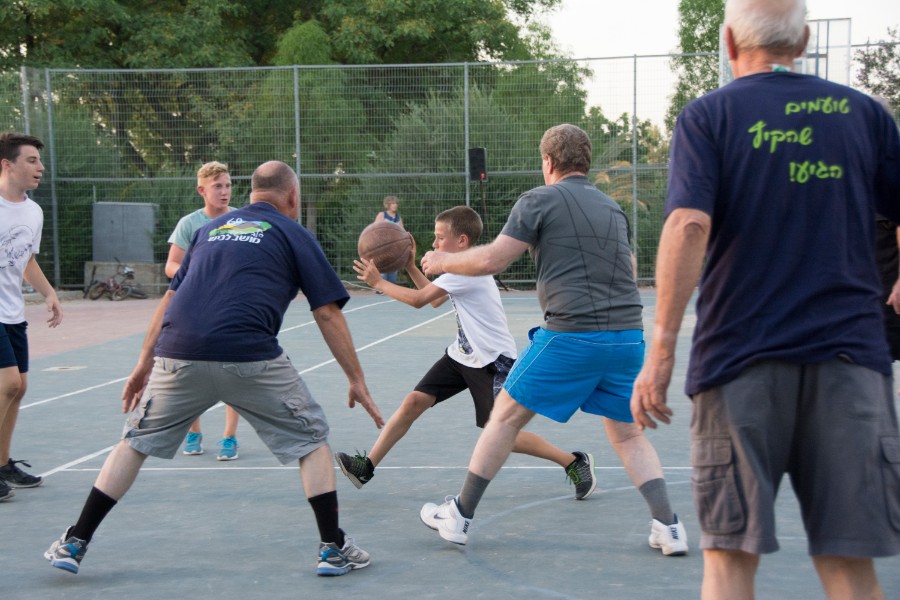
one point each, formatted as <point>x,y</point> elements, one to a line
<point>269,394</point>
<point>831,426</point>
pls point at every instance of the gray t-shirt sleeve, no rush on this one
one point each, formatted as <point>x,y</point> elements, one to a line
<point>524,220</point>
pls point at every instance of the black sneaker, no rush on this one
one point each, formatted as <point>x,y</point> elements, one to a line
<point>358,469</point>
<point>5,491</point>
<point>16,477</point>
<point>581,473</point>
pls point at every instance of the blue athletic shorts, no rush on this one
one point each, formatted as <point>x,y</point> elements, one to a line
<point>14,346</point>
<point>559,373</point>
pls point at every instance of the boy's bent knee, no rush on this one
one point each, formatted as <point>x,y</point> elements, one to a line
<point>418,402</point>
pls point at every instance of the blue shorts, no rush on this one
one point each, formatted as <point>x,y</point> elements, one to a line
<point>558,373</point>
<point>14,346</point>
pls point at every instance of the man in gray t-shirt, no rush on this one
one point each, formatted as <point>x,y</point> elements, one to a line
<point>590,347</point>
<point>579,240</point>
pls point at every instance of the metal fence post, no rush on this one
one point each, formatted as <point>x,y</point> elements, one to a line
<point>466,126</point>
<point>26,118</point>
<point>54,216</point>
<point>297,140</point>
<point>634,161</point>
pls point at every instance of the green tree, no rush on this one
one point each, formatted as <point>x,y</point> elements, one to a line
<point>427,31</point>
<point>879,69</point>
<point>699,22</point>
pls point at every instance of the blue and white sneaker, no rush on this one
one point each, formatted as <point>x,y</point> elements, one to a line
<point>192,443</point>
<point>66,552</point>
<point>228,448</point>
<point>334,561</point>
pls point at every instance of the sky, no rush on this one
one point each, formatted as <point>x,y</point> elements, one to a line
<point>581,26</point>
<point>608,28</point>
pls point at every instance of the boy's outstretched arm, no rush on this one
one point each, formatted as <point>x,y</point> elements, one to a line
<point>419,278</point>
<point>368,272</point>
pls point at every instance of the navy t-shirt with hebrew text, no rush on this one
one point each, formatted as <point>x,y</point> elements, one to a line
<point>238,277</point>
<point>792,169</point>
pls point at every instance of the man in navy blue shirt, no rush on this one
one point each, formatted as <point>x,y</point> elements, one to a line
<point>214,336</point>
<point>774,183</point>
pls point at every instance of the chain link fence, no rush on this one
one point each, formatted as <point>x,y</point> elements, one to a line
<point>354,134</point>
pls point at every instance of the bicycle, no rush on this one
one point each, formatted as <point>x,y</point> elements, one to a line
<point>119,286</point>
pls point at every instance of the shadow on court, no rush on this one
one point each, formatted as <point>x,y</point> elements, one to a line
<point>195,527</point>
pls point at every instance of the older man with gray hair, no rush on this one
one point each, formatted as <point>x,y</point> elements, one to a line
<point>774,183</point>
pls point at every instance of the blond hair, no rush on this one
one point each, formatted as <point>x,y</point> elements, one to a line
<point>211,169</point>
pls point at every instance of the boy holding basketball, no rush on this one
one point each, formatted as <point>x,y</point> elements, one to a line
<point>478,359</point>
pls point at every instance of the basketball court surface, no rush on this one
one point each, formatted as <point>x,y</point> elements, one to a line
<point>194,527</point>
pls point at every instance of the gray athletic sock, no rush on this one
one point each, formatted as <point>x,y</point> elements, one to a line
<point>654,492</point>
<point>471,493</point>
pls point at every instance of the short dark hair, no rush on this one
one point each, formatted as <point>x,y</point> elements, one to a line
<point>462,221</point>
<point>11,144</point>
<point>568,147</point>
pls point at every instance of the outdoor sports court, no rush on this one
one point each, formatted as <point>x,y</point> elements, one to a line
<point>194,527</point>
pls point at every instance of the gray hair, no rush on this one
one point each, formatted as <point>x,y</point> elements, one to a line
<point>769,24</point>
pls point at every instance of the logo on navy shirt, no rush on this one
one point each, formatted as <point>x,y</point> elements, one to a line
<point>239,230</point>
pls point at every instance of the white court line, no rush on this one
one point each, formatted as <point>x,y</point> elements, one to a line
<point>291,467</point>
<point>346,312</point>
<point>94,387</point>
<point>81,391</point>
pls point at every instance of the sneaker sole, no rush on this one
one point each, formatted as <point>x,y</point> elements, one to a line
<point>66,564</point>
<point>8,496</point>
<point>220,457</point>
<point>329,570</point>
<point>19,486</point>
<point>192,453</point>
<point>669,551</point>
<point>455,538</point>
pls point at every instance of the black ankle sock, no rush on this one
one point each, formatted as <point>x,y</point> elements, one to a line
<point>325,507</point>
<point>96,507</point>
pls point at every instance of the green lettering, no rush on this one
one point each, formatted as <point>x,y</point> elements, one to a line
<point>791,108</point>
<point>776,136</point>
<point>757,130</point>
<point>806,136</point>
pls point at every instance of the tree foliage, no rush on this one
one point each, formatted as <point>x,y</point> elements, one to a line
<point>699,22</point>
<point>879,70</point>
<point>217,33</point>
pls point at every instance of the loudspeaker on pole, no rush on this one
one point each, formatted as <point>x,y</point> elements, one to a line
<point>478,164</point>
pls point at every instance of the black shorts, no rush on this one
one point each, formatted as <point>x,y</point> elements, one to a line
<point>14,346</point>
<point>446,378</point>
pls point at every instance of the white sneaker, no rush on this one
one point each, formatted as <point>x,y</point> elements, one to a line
<point>671,539</point>
<point>447,520</point>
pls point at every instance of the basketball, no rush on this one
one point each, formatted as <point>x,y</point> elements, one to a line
<point>385,243</point>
